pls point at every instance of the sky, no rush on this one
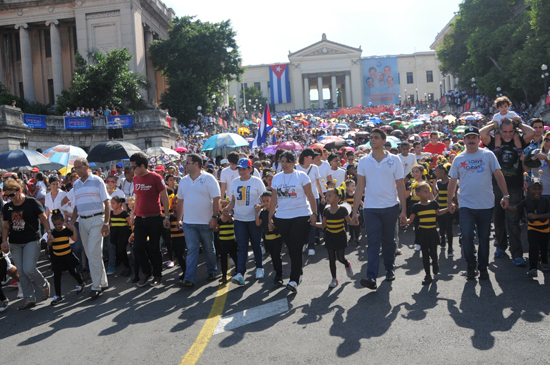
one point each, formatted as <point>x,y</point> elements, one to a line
<point>267,31</point>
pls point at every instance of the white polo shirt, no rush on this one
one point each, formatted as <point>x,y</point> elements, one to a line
<point>380,188</point>
<point>197,196</point>
<point>227,176</point>
<point>88,196</point>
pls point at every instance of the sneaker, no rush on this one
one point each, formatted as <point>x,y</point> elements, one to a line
<point>278,281</point>
<point>187,284</point>
<point>238,279</point>
<point>171,264</point>
<point>471,273</point>
<point>349,271</point>
<point>156,281</point>
<point>545,267</point>
<point>333,283</point>
<point>390,275</point>
<point>94,294</point>
<point>417,247</point>
<point>483,274</point>
<point>311,252</point>
<point>80,288</point>
<point>260,273</point>
<point>14,284</point>
<point>143,282</point>
<point>111,271</point>
<point>19,291</point>
<point>369,283</point>
<point>532,273</point>
<point>398,251</point>
<point>292,286</point>
<point>4,305</point>
<point>499,253</point>
<point>427,280</point>
<point>519,261</point>
<point>56,300</point>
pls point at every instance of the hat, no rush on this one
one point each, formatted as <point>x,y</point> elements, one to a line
<point>471,130</point>
<point>531,162</point>
<point>35,169</point>
<point>534,181</point>
<point>210,166</point>
<point>224,161</point>
<point>119,164</point>
<point>244,163</point>
<point>309,152</point>
<point>159,168</point>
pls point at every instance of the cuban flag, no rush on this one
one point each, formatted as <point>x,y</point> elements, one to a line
<point>280,85</point>
<point>265,126</point>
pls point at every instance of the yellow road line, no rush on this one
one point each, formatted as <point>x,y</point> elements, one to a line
<point>208,328</point>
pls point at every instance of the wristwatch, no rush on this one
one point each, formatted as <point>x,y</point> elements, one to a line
<point>215,216</point>
<point>506,196</point>
<point>105,224</point>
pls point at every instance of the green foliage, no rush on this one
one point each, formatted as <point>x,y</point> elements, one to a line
<point>252,93</point>
<point>105,80</point>
<point>499,46</point>
<point>198,59</point>
<point>23,104</point>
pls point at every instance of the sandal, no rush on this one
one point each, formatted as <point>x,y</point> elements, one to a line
<point>26,305</point>
<point>46,292</point>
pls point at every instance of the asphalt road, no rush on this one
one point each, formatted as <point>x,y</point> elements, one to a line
<point>503,320</point>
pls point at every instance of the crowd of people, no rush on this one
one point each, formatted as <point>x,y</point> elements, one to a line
<point>145,219</point>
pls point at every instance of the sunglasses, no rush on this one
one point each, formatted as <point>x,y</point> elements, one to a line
<point>10,195</point>
<point>547,140</point>
<point>111,181</point>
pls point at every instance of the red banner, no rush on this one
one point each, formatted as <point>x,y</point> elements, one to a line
<point>225,124</point>
<point>467,106</point>
<point>443,100</point>
<point>548,99</point>
<point>220,121</point>
<point>350,111</point>
<point>169,121</point>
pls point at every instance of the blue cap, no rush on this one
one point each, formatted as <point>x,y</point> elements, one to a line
<point>244,163</point>
<point>119,164</point>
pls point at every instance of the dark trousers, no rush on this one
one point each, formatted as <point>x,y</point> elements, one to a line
<point>428,241</point>
<point>228,248</point>
<point>354,232</point>
<point>3,276</point>
<point>148,252</point>
<point>274,248</point>
<point>334,255</point>
<point>538,243</point>
<point>446,229</point>
<point>178,247</point>
<point>119,238</point>
<point>507,223</point>
<point>57,279</point>
<point>295,232</point>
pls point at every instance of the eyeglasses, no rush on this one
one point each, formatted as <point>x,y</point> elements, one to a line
<point>547,140</point>
<point>11,195</point>
<point>111,181</point>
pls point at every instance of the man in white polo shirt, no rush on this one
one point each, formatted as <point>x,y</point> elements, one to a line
<point>92,203</point>
<point>380,176</point>
<point>229,174</point>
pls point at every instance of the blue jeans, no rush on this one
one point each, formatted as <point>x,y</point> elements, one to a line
<point>244,232</point>
<point>469,219</point>
<point>195,235</point>
<point>380,230</point>
<point>25,257</point>
<point>109,250</point>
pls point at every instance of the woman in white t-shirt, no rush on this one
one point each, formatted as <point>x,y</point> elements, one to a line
<point>245,193</point>
<point>293,201</point>
<point>54,198</point>
<point>305,164</point>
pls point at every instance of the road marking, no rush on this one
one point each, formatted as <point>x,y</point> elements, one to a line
<point>207,330</point>
<point>251,315</point>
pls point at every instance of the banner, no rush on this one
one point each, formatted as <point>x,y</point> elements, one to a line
<point>225,124</point>
<point>126,121</point>
<point>78,122</point>
<point>34,121</point>
<point>351,111</point>
<point>279,83</point>
<point>380,80</point>
<point>443,100</point>
<point>467,106</point>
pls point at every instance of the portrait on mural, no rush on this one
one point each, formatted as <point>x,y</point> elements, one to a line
<point>380,80</point>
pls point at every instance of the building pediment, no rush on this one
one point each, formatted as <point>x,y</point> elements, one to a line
<point>323,48</point>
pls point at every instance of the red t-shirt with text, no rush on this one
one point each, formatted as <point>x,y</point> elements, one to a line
<point>438,148</point>
<point>147,189</point>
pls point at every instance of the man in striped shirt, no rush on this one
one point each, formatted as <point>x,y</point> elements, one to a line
<point>91,202</point>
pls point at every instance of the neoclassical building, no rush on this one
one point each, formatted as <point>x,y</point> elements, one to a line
<point>39,39</point>
<point>343,71</point>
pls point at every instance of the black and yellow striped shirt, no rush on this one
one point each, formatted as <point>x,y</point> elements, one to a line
<point>442,194</point>
<point>119,220</point>
<point>227,230</point>
<point>335,221</point>
<point>174,232</point>
<point>349,199</point>
<point>426,215</point>
<point>537,207</point>
<point>61,245</point>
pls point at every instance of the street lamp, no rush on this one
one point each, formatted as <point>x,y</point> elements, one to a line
<point>416,96</point>
<point>440,89</point>
<point>400,104</point>
<point>544,76</point>
<point>406,100</point>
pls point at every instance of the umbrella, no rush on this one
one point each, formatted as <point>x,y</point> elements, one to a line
<point>334,145</point>
<point>470,117</point>
<point>180,149</point>
<point>342,126</point>
<point>460,129</point>
<point>270,149</point>
<point>425,134</point>
<point>386,128</point>
<point>290,145</point>
<point>305,123</point>
<point>325,138</point>
<point>111,151</point>
<point>316,145</point>
<point>323,125</point>
<point>64,154</point>
<point>376,120</point>
<point>450,118</point>
<point>243,130</point>
<point>26,159</point>
<point>199,134</point>
<point>397,133</point>
<point>362,134</point>
<point>438,119</point>
<point>224,140</point>
<point>396,122</point>
<point>350,142</point>
<point>363,147</point>
<point>161,155</point>
<point>249,139</point>
<point>405,126</point>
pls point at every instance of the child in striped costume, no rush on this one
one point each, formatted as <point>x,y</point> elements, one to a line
<point>445,220</point>
<point>228,245</point>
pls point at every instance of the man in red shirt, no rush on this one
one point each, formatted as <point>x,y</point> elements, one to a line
<point>435,147</point>
<point>149,190</point>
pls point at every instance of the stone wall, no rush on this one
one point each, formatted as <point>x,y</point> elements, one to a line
<point>150,130</point>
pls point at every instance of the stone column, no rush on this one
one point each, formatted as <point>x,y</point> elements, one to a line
<point>348,89</point>
<point>307,102</point>
<point>150,69</point>
<point>1,64</point>
<point>57,61</point>
<point>26,61</point>
<point>452,82</point>
<point>320,90</point>
<point>333,90</point>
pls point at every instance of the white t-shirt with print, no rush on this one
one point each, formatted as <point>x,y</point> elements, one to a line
<point>291,197</point>
<point>247,194</point>
<point>313,176</point>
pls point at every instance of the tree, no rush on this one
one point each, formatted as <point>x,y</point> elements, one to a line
<point>500,46</point>
<point>25,106</point>
<point>104,80</point>
<point>253,93</point>
<point>198,59</point>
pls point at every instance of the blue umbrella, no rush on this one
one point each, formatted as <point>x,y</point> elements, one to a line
<point>322,137</point>
<point>224,140</point>
<point>350,142</point>
<point>376,120</point>
<point>26,159</point>
<point>342,126</point>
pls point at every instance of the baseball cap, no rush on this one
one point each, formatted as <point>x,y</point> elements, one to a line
<point>244,163</point>
<point>309,152</point>
<point>471,130</point>
<point>159,168</point>
<point>35,169</point>
<point>119,164</point>
<point>224,161</point>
